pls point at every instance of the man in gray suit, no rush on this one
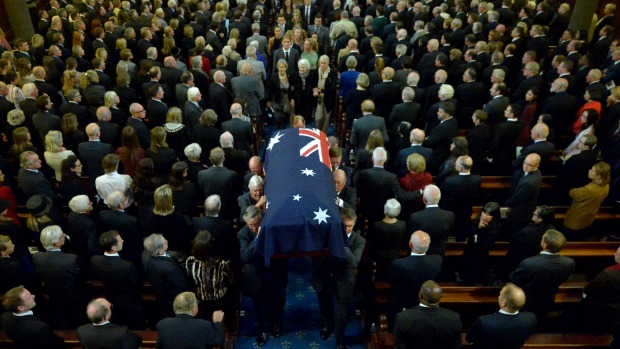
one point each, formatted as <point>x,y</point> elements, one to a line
<point>287,53</point>
<point>250,88</point>
<point>258,68</point>
<point>262,40</point>
<point>192,110</point>
<point>322,32</point>
<point>497,105</point>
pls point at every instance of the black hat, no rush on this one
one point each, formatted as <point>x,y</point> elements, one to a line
<point>4,205</point>
<point>39,205</point>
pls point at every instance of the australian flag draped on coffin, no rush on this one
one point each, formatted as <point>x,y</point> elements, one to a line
<point>301,214</point>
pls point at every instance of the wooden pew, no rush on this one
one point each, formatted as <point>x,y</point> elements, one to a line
<point>384,340</point>
<point>149,339</point>
<point>572,249</point>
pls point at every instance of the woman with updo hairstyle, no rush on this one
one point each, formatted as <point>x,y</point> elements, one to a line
<point>188,43</point>
<point>130,152</point>
<point>176,133</point>
<point>55,152</point>
<point>126,94</point>
<point>70,81</point>
<point>482,235</point>
<point>38,48</point>
<point>528,116</point>
<point>21,142</point>
<point>586,202</point>
<point>71,135</point>
<point>183,191</point>
<point>388,236</point>
<point>163,157</point>
<point>72,184</point>
<point>212,276</point>
<point>375,75</point>
<point>93,92</point>
<point>173,225</point>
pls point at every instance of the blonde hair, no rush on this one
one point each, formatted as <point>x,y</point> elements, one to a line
<point>163,201</point>
<point>53,141</point>
<point>158,139</point>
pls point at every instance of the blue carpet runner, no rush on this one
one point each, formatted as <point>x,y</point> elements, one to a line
<point>302,320</point>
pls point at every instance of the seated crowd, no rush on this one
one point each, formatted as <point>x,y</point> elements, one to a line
<point>163,107</point>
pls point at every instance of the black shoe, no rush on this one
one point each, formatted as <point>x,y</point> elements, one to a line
<point>261,339</point>
<point>326,331</point>
<point>275,330</point>
<point>341,346</point>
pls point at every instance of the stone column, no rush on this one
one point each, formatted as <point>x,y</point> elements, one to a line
<point>582,15</point>
<point>19,17</point>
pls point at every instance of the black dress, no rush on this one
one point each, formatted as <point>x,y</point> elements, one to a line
<point>475,263</point>
<point>185,199</point>
<point>162,161</point>
<point>72,186</point>
<point>387,240</point>
<point>353,105</point>
<point>176,137</point>
<point>71,140</point>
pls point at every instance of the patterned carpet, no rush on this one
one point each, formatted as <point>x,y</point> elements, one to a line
<point>302,321</point>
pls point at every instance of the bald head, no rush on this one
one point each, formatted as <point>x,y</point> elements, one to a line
<point>511,298</point>
<point>464,164</point>
<point>531,163</point>
<point>430,293</point>
<point>98,310</point>
<point>540,132</point>
<point>104,114</point>
<point>419,242</point>
<point>92,130</point>
<point>416,136</point>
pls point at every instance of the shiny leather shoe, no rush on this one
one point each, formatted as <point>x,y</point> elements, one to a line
<point>325,332</point>
<point>261,339</point>
<point>275,330</point>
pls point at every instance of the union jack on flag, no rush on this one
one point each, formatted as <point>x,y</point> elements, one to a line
<point>301,214</point>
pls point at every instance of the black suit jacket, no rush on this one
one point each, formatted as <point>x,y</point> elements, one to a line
<point>349,197</point>
<point>523,197</point>
<point>129,229</point>
<point>501,330</point>
<point>406,276</point>
<point>386,95</point>
<point>407,111</point>
<point>121,284</point>
<point>374,187</point>
<point>92,153</point>
<point>242,133</point>
<point>471,96</point>
<point>168,279</point>
<point>28,332</point>
<point>437,223</point>
<point>539,277</point>
<point>109,133</point>
<point>226,184</point>
<point>32,183</point>
<point>156,112</point>
<point>141,130</point>
<point>458,194</point>
<point>362,128</point>
<point>62,274</point>
<point>427,328</point>
<point>184,331</point>
<point>220,99</point>
<point>107,336</point>
<point>400,164</point>
<point>543,148</point>
<point>83,117</point>
<point>505,141</point>
<point>440,139</point>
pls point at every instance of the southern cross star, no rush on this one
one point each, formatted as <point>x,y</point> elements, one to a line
<point>274,140</point>
<point>296,197</point>
<point>321,215</point>
<point>307,172</point>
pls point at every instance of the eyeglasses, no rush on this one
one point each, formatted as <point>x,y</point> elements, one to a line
<point>141,111</point>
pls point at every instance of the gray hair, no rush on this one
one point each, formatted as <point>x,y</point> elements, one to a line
<point>432,194</point>
<point>49,236</point>
<point>408,94</point>
<point>213,204</point>
<point>226,140</point>
<point>447,91</point>
<point>184,303</point>
<point>153,244</point>
<point>115,199</point>
<point>255,182</point>
<point>79,203</point>
<point>303,62</point>
<point>192,92</point>
<point>392,208</point>
<point>193,151</point>
<point>252,212</point>
<point>379,154</point>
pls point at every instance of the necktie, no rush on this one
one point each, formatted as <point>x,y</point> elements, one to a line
<point>286,55</point>
<point>308,13</point>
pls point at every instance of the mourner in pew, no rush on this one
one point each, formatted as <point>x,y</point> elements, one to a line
<point>428,326</point>
<point>508,328</point>
<point>101,333</point>
<point>22,326</point>
<point>540,276</point>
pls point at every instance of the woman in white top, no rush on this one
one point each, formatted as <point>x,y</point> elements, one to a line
<point>112,180</point>
<point>55,152</point>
